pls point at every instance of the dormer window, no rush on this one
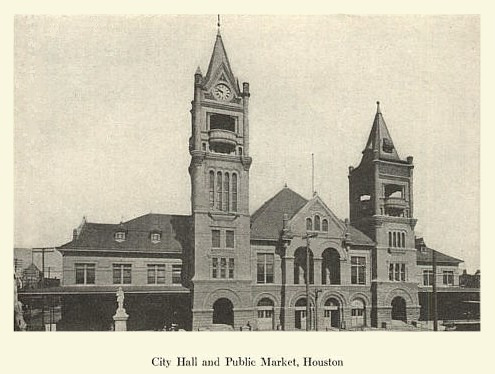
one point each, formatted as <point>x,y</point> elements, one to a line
<point>387,146</point>
<point>119,236</point>
<point>156,237</point>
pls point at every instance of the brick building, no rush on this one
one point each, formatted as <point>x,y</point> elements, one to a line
<point>222,266</point>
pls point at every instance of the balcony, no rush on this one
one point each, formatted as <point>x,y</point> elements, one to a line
<point>395,203</point>
<point>222,141</point>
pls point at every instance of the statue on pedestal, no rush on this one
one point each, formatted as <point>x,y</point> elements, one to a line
<point>120,298</point>
<point>120,316</point>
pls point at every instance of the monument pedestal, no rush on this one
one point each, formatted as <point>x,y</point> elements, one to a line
<point>120,319</point>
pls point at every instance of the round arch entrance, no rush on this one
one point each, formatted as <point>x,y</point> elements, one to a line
<point>331,314</point>
<point>301,317</point>
<point>399,309</point>
<point>266,315</point>
<point>358,313</point>
<point>223,312</point>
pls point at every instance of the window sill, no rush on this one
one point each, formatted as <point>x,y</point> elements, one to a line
<point>223,216</point>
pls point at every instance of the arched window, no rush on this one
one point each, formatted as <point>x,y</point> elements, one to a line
<point>399,240</point>
<point>330,266</point>
<point>403,240</point>
<point>324,225</point>
<point>234,192</point>
<point>317,223</point>
<point>389,238</point>
<point>212,188</point>
<point>265,314</point>
<point>309,224</point>
<point>395,240</point>
<point>301,271</point>
<point>219,191</point>
<point>226,192</point>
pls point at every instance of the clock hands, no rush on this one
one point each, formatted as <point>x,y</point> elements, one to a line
<point>222,92</point>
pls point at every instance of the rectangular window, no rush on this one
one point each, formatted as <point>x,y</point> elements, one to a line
<point>85,273</point>
<point>177,274</point>
<point>155,237</point>
<point>397,272</point>
<point>448,277</point>
<point>358,270</point>
<point>427,277</point>
<point>156,274</point>
<point>357,312</point>
<point>223,267</point>
<point>231,268</point>
<point>264,268</point>
<point>229,239</point>
<point>122,274</point>
<point>215,238</point>
<point>265,313</point>
<point>214,273</point>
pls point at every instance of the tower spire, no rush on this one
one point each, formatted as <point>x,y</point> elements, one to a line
<point>380,142</point>
<point>219,59</point>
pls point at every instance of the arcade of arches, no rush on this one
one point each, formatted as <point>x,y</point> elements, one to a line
<point>330,267</point>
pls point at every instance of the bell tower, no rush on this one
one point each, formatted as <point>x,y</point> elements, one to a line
<point>381,205</point>
<point>219,170</point>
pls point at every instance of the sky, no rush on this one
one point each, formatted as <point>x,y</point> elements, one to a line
<point>102,114</point>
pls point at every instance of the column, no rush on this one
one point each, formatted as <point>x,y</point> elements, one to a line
<point>289,270</point>
<point>317,271</point>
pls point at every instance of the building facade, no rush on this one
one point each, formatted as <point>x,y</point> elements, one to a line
<point>291,265</point>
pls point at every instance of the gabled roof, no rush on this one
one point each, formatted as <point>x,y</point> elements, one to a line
<point>219,58</point>
<point>267,221</point>
<point>32,268</point>
<point>425,255</point>
<point>358,237</point>
<point>174,230</point>
<point>380,140</point>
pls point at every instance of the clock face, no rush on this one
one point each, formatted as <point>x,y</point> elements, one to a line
<point>222,92</point>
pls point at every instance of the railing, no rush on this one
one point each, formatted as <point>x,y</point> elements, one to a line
<point>222,136</point>
<point>395,202</point>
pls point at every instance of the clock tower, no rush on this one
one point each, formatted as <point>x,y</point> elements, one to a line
<point>381,205</point>
<point>219,170</point>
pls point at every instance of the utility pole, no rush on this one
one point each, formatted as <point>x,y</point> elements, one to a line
<point>307,237</point>
<point>317,292</point>
<point>312,174</point>
<point>42,251</point>
<point>435,305</point>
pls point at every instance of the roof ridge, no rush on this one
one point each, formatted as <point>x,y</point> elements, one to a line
<point>444,254</point>
<point>263,207</point>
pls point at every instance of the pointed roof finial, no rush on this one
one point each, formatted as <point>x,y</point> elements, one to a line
<point>218,22</point>
<point>378,107</point>
<point>285,185</point>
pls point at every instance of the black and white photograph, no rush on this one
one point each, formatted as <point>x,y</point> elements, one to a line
<point>272,231</point>
<point>218,174</point>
